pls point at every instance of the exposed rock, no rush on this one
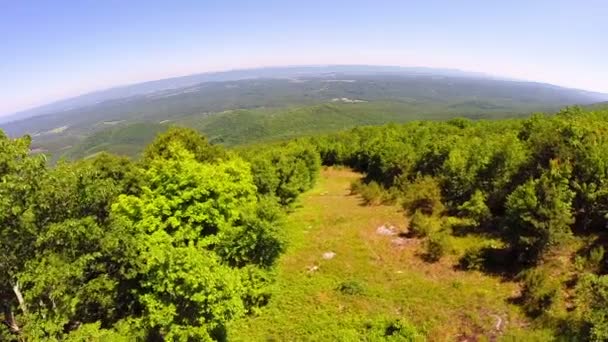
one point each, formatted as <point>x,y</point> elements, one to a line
<point>386,230</point>
<point>313,268</point>
<point>329,255</point>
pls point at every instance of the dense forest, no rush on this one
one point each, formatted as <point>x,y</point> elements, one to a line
<point>170,247</point>
<point>183,240</point>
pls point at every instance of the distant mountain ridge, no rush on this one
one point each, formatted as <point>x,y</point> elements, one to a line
<point>244,106</point>
<point>149,87</point>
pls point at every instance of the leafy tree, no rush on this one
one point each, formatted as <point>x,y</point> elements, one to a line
<point>19,181</point>
<point>185,220</point>
<point>475,208</point>
<point>539,292</point>
<point>285,171</point>
<point>539,213</point>
<point>423,195</point>
<point>592,306</point>
<point>188,139</point>
<point>436,246</point>
<point>105,249</point>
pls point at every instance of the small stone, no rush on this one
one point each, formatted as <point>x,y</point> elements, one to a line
<point>386,230</point>
<point>313,268</point>
<point>329,255</point>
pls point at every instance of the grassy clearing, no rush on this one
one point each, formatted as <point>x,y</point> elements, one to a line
<point>372,280</point>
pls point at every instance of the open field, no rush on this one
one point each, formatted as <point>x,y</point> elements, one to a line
<point>390,280</point>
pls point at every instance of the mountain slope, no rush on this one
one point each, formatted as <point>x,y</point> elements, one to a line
<point>149,87</point>
<point>291,102</point>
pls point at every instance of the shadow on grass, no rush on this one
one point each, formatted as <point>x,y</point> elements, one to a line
<point>500,262</point>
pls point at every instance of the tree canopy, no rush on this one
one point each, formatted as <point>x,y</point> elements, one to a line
<point>171,247</point>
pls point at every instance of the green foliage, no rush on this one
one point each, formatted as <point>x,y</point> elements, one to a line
<point>539,213</point>
<point>537,184</point>
<point>394,330</point>
<point>181,243</point>
<point>423,195</point>
<point>592,261</point>
<point>592,306</point>
<point>253,241</point>
<point>596,256</point>
<point>351,287</point>
<point>539,292</point>
<point>475,208</point>
<point>372,193</point>
<point>422,225</point>
<point>356,186</point>
<point>284,171</point>
<point>188,139</point>
<point>106,249</point>
<point>436,246</point>
<point>473,259</point>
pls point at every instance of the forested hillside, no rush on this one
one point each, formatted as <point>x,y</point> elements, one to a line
<point>501,224</point>
<point>279,105</point>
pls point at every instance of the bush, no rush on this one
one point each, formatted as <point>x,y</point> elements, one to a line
<point>473,259</point>
<point>356,186</point>
<point>539,213</point>
<point>596,256</point>
<point>422,225</point>
<point>394,330</point>
<point>539,292</point>
<point>475,208</point>
<point>592,306</point>
<point>401,330</point>
<point>423,195</point>
<point>372,193</point>
<point>351,287</point>
<point>592,262</point>
<point>436,246</point>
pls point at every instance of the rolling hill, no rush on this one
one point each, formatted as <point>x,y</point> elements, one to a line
<point>274,103</point>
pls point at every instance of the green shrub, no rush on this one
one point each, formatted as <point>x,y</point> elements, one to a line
<point>423,195</point>
<point>351,287</point>
<point>473,259</point>
<point>394,330</point>
<point>539,213</point>
<point>592,306</point>
<point>372,193</point>
<point>475,208</point>
<point>422,225</point>
<point>591,262</point>
<point>436,246</point>
<point>539,292</point>
<point>596,256</point>
<point>356,186</point>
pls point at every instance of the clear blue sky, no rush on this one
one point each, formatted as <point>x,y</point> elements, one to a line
<point>50,50</point>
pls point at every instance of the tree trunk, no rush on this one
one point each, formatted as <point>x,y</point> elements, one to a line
<point>19,298</point>
<point>9,320</point>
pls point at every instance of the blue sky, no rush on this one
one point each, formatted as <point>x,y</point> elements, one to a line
<point>51,50</point>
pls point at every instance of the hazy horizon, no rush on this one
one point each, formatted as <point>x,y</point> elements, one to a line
<point>59,50</point>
